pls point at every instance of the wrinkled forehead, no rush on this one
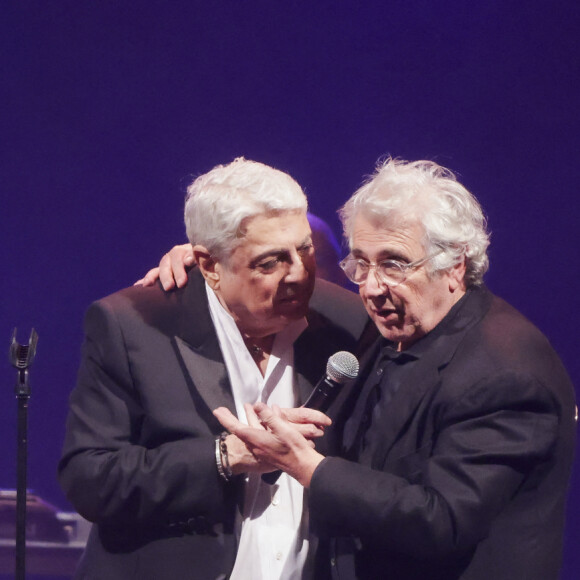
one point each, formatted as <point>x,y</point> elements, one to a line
<point>386,226</point>
<point>271,220</point>
<point>273,229</point>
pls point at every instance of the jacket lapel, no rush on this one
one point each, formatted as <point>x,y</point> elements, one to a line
<point>401,409</point>
<point>208,377</point>
<point>308,361</point>
<point>197,347</point>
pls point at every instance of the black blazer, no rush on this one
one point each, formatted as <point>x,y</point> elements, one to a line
<point>139,454</point>
<point>470,466</point>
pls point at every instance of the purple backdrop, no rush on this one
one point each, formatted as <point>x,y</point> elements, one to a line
<point>108,109</point>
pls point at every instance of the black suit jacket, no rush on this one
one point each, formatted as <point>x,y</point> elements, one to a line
<point>139,453</point>
<point>469,468</point>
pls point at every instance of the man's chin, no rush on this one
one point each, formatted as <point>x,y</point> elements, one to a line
<point>404,337</point>
<point>292,309</point>
<point>295,306</point>
<point>390,330</point>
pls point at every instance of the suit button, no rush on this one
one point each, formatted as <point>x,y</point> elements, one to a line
<point>199,525</point>
<point>332,561</point>
<point>379,372</point>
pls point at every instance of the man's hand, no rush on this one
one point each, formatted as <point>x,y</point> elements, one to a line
<point>274,440</point>
<point>309,422</point>
<point>172,269</point>
<point>242,460</point>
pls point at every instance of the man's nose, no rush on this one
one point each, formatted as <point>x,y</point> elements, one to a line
<point>297,270</point>
<point>374,285</point>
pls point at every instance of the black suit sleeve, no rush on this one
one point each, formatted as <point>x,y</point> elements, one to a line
<point>109,471</point>
<point>442,498</point>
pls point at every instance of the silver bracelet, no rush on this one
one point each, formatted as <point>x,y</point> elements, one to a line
<point>221,457</point>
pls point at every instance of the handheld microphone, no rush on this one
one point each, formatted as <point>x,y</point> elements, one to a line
<point>342,367</point>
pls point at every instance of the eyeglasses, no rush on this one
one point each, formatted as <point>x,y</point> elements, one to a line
<point>389,272</point>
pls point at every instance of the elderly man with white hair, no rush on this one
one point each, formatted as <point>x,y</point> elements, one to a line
<point>171,496</point>
<point>457,441</point>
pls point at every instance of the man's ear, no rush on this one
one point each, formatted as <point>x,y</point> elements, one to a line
<point>457,276</point>
<point>207,266</point>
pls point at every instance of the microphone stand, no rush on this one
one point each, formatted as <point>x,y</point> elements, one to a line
<point>21,357</point>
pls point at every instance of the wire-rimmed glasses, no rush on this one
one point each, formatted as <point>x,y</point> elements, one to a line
<point>389,272</point>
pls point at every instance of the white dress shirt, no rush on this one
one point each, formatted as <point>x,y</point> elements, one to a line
<point>273,538</point>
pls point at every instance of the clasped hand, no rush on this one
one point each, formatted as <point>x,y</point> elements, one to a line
<point>275,439</point>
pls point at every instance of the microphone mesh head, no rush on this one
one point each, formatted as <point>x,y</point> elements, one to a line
<point>342,367</point>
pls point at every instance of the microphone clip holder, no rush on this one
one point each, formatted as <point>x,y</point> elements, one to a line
<point>21,357</point>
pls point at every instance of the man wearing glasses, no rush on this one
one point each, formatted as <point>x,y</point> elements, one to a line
<point>457,441</point>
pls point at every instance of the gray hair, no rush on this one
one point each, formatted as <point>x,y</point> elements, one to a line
<point>401,192</point>
<point>219,203</point>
